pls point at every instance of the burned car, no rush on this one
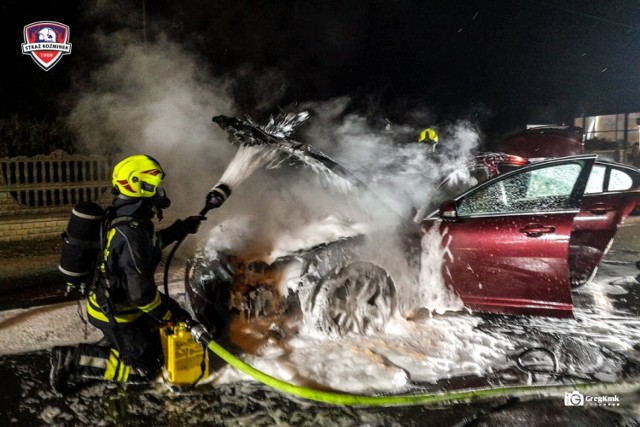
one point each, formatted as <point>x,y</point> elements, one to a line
<point>327,284</point>
<point>323,276</point>
<point>514,243</point>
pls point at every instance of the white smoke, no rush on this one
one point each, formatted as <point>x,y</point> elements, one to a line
<point>402,178</point>
<point>157,99</point>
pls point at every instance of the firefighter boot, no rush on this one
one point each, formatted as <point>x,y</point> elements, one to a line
<point>62,366</point>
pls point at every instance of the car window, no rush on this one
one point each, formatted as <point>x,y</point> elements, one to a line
<point>541,190</point>
<point>596,180</point>
<point>619,180</point>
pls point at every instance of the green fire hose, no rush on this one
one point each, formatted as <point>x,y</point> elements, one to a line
<point>200,334</point>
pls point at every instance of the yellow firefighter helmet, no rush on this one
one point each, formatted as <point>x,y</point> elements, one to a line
<point>429,136</point>
<point>138,176</point>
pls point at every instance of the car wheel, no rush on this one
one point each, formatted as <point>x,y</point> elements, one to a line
<point>360,299</point>
<point>207,291</point>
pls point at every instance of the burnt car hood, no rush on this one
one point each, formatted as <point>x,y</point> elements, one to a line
<point>291,243</point>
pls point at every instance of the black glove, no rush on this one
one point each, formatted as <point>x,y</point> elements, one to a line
<point>179,229</point>
<point>191,224</point>
<point>77,288</point>
<point>217,196</point>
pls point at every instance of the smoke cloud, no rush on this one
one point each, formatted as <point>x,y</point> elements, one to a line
<point>402,177</point>
<point>158,98</point>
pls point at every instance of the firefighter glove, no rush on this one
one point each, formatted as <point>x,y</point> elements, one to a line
<point>191,224</point>
<point>179,229</point>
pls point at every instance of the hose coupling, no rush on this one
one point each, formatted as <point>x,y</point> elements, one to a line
<point>199,333</point>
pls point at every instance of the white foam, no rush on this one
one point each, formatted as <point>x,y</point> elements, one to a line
<point>425,349</point>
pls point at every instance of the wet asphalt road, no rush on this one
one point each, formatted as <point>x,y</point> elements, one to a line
<point>27,399</point>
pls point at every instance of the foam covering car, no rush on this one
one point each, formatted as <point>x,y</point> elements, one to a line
<point>515,243</point>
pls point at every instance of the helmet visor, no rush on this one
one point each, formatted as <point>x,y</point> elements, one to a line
<point>148,188</point>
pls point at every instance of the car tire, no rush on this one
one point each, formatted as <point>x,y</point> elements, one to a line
<point>358,299</point>
<point>207,292</point>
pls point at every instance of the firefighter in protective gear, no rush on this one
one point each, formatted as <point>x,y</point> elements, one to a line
<point>429,136</point>
<point>126,304</point>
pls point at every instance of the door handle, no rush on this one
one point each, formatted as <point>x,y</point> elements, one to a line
<point>600,209</point>
<point>537,230</point>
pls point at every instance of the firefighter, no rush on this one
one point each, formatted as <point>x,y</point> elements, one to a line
<point>126,304</point>
<point>430,137</point>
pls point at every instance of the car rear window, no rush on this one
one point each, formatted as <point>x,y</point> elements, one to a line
<point>596,180</point>
<point>619,180</point>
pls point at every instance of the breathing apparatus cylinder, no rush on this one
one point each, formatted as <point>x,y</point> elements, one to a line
<point>81,245</point>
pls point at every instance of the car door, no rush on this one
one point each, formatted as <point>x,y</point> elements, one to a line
<point>507,240</point>
<point>611,195</point>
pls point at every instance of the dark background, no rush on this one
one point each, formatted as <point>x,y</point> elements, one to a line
<point>501,63</point>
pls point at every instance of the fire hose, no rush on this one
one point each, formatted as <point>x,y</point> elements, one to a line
<point>201,335</point>
<point>215,198</point>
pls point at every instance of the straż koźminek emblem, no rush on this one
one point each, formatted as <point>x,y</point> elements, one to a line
<point>46,42</point>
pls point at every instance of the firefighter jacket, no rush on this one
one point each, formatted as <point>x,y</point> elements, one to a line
<point>127,289</point>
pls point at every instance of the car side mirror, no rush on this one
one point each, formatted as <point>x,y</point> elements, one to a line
<point>448,210</point>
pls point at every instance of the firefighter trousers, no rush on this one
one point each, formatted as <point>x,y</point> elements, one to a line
<point>132,352</point>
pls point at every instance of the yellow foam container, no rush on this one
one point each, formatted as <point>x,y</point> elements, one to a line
<point>183,356</point>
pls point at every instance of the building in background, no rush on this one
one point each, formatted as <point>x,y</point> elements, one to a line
<point>612,136</point>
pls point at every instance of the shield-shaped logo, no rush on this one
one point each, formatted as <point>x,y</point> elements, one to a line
<point>46,42</point>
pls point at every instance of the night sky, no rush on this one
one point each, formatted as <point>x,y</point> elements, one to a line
<point>502,63</point>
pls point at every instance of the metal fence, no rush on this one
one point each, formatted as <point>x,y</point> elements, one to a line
<point>51,183</point>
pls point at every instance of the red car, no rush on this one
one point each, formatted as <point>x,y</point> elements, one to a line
<point>518,241</point>
<point>544,142</point>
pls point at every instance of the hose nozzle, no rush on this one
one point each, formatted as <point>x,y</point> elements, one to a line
<point>216,197</point>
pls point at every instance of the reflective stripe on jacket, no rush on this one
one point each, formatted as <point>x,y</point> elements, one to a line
<point>132,253</point>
